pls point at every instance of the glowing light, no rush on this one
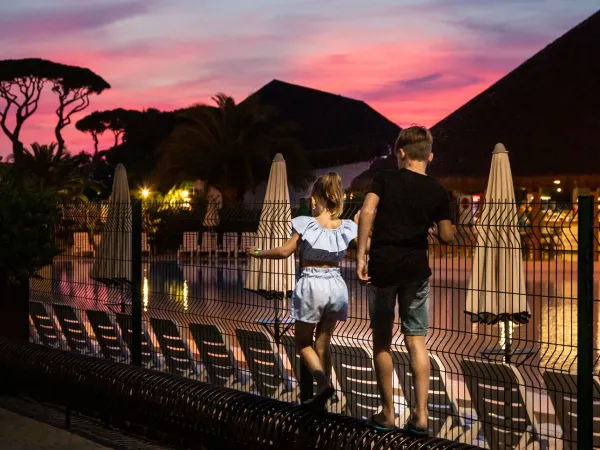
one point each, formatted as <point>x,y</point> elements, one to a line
<point>185,295</point>
<point>545,197</point>
<point>476,198</point>
<point>145,294</point>
<point>559,190</point>
<point>556,181</point>
<point>185,194</point>
<point>511,330</point>
<point>145,192</point>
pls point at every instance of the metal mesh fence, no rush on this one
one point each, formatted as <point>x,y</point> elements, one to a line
<point>500,378</point>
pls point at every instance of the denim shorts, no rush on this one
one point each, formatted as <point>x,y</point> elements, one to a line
<point>413,307</point>
<point>320,293</point>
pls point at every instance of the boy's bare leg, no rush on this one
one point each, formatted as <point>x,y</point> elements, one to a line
<point>419,366</point>
<point>384,371</point>
<point>304,342</point>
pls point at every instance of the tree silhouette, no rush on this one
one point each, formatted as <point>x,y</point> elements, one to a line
<point>98,122</point>
<point>74,85</point>
<point>231,146</point>
<point>21,84</point>
<point>94,125</point>
<point>143,131</point>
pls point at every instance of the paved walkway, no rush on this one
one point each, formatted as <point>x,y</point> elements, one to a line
<point>25,424</point>
<point>22,433</point>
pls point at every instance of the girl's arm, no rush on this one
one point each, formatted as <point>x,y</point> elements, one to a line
<point>283,252</point>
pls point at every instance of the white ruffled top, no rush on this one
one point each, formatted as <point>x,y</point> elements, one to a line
<point>323,244</point>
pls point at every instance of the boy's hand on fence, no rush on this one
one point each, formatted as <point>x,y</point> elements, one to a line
<point>362,271</point>
<point>251,251</point>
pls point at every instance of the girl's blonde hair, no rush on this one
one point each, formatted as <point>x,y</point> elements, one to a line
<point>329,189</point>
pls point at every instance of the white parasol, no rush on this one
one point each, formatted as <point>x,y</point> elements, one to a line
<point>497,291</point>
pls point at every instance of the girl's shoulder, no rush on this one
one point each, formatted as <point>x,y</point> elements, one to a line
<point>300,224</point>
<point>349,228</point>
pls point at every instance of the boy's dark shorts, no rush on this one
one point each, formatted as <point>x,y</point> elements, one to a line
<point>413,306</point>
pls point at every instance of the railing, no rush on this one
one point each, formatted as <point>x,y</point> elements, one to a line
<point>509,384</point>
<point>180,411</point>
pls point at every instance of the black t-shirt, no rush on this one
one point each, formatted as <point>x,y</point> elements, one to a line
<point>409,204</point>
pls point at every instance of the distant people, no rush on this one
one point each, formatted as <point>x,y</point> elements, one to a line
<point>401,208</point>
<point>320,298</point>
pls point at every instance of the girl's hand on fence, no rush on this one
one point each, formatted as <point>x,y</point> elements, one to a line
<point>251,251</point>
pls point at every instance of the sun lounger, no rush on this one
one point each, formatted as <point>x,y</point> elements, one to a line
<point>356,377</point>
<point>82,245</point>
<point>150,358</point>
<point>178,358</point>
<point>44,325</point>
<point>562,390</point>
<point>189,247</point>
<point>230,244</point>
<point>217,358</point>
<point>108,336</point>
<point>444,419</point>
<point>146,251</point>
<point>73,330</point>
<point>498,393</point>
<point>209,243</point>
<point>270,379</point>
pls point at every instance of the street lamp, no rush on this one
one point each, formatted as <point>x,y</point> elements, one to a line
<point>145,192</point>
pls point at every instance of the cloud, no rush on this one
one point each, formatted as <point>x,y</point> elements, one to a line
<point>427,84</point>
<point>416,62</point>
<point>57,22</point>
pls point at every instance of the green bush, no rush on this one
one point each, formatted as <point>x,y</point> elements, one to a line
<point>28,213</point>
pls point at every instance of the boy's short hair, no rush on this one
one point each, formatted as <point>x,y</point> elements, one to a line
<point>416,142</point>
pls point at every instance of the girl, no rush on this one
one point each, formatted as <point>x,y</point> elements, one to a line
<point>320,298</point>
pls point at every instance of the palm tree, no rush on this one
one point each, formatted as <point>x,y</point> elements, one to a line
<point>67,175</point>
<point>231,147</point>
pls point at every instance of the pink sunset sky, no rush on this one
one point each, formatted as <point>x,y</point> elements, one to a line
<point>415,61</point>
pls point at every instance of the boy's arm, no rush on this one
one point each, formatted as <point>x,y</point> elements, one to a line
<point>365,225</point>
<point>445,230</point>
<point>356,220</point>
<point>283,252</point>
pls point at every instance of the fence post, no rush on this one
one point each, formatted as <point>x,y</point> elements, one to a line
<point>136,282</point>
<point>585,317</point>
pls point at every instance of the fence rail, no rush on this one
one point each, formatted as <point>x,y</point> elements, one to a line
<point>190,313</point>
<point>196,415</point>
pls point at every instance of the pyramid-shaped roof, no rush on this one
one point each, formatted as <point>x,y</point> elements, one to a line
<point>546,112</point>
<point>334,129</point>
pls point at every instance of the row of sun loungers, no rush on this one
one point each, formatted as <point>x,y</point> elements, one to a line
<point>190,248</point>
<point>504,416</point>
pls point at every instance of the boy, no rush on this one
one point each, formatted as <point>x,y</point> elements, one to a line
<point>401,207</point>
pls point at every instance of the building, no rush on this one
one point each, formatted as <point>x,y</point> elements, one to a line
<point>338,133</point>
<point>546,112</point>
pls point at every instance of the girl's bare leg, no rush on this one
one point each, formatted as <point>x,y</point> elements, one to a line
<point>325,329</point>
<point>304,341</point>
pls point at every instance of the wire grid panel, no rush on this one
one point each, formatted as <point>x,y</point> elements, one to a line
<point>201,321</point>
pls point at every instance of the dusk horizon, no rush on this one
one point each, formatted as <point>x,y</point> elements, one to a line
<point>415,62</point>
